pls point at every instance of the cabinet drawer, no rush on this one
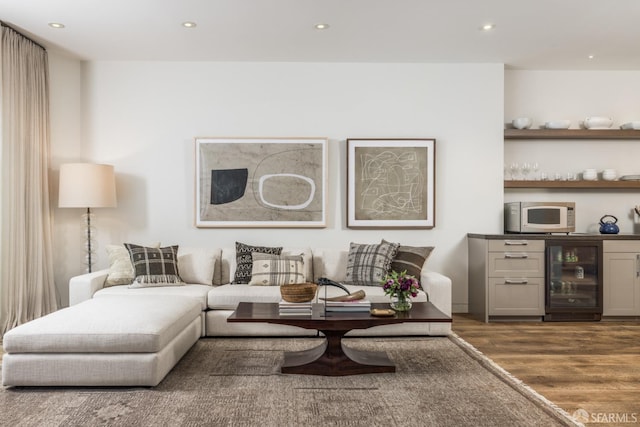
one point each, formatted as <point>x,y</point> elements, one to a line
<point>621,246</point>
<point>516,244</point>
<point>516,264</point>
<point>516,297</point>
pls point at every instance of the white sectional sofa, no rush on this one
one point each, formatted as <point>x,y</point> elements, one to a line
<point>126,335</point>
<point>210,271</point>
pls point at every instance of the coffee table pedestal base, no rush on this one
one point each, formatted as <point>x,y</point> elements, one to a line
<point>333,359</point>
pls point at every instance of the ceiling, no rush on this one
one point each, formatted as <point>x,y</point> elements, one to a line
<point>529,34</point>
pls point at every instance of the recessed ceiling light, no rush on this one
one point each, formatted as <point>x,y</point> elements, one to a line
<point>591,56</point>
<point>488,27</point>
<point>321,26</point>
<point>189,24</point>
<point>56,25</point>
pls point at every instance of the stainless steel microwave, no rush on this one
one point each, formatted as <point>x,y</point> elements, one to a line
<point>539,217</point>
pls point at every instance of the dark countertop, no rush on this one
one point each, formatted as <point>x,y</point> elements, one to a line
<point>572,236</point>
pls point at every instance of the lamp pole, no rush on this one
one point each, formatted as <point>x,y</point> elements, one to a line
<point>89,260</point>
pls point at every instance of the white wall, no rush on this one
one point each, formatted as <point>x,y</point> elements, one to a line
<point>142,118</point>
<point>575,95</point>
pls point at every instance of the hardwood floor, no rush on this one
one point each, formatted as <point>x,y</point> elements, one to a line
<point>593,366</point>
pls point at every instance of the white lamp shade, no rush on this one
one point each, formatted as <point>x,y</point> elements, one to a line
<point>87,185</point>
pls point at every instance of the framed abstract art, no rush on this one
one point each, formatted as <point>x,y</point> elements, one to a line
<point>261,182</point>
<point>391,183</point>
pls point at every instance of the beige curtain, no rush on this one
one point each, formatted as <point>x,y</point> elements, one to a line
<point>27,288</point>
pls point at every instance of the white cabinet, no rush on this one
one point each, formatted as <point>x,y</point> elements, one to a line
<point>506,277</point>
<point>621,278</point>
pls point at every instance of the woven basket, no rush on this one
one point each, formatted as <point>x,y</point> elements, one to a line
<point>298,292</point>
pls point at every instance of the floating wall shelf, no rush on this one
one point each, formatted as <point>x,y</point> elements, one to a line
<point>571,134</point>
<point>574,184</point>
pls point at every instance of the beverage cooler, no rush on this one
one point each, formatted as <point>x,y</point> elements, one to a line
<point>573,280</point>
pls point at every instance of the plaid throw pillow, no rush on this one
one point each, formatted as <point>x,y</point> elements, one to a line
<point>367,265</point>
<point>276,270</point>
<point>154,266</point>
<point>244,261</point>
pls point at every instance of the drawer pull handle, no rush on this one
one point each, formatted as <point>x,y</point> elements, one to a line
<point>516,256</point>
<point>515,281</point>
<point>516,243</point>
<point>637,265</point>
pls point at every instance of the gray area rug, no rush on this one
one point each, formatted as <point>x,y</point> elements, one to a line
<point>236,382</point>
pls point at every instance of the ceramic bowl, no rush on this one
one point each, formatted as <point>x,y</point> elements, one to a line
<point>590,175</point>
<point>521,123</point>
<point>635,125</point>
<point>609,174</point>
<point>597,122</point>
<point>558,124</point>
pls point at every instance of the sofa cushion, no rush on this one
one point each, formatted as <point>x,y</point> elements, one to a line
<point>197,265</point>
<point>120,267</point>
<point>367,265</point>
<point>131,324</point>
<point>227,297</point>
<point>331,264</point>
<point>276,270</point>
<point>244,261</point>
<point>197,292</point>
<point>154,266</point>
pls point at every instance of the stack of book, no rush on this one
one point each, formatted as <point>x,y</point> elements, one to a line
<point>295,308</point>
<point>348,306</point>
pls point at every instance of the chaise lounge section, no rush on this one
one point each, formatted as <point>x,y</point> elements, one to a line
<point>112,341</point>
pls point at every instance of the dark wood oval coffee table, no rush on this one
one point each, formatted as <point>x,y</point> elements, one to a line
<point>332,357</point>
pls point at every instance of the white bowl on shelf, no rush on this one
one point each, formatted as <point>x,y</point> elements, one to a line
<point>521,123</point>
<point>635,125</point>
<point>609,174</point>
<point>590,175</point>
<point>597,122</point>
<point>558,124</point>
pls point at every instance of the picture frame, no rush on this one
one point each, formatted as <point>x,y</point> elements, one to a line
<point>260,182</point>
<point>391,183</point>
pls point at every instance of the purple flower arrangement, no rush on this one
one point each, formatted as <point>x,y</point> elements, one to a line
<point>401,285</point>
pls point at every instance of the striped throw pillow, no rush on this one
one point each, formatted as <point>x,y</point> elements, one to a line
<point>411,259</point>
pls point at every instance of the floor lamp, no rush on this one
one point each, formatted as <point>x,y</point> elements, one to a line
<point>87,185</point>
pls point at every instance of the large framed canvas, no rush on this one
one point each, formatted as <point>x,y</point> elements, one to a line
<point>391,183</point>
<point>261,182</point>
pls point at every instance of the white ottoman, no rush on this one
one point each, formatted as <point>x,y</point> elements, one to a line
<point>109,341</point>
